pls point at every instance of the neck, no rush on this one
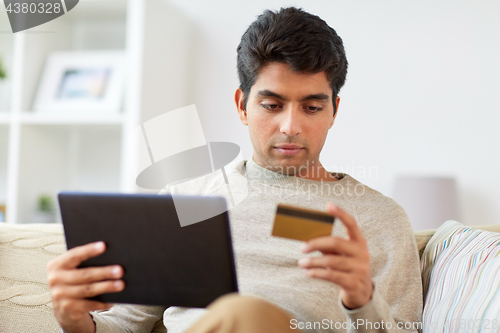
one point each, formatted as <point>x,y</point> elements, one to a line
<point>313,172</point>
<point>317,173</point>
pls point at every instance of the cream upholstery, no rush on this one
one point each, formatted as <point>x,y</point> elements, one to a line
<point>25,250</point>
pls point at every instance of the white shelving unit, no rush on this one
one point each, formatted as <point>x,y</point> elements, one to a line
<point>43,153</point>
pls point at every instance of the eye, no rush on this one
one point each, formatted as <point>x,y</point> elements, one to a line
<point>270,106</point>
<point>313,109</point>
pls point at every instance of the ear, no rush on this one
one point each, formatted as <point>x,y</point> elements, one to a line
<point>238,99</point>
<point>337,102</point>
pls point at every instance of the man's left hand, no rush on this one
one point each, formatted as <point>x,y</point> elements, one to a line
<point>345,262</point>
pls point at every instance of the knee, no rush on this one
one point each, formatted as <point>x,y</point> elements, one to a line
<point>235,303</point>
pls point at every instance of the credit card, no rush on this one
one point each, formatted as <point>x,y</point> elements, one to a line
<point>301,223</point>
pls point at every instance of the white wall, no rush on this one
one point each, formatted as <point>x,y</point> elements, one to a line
<point>422,93</point>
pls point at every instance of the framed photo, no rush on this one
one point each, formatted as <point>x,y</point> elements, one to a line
<point>83,82</point>
<point>2,213</point>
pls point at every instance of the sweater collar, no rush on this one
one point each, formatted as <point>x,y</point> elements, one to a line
<point>256,172</point>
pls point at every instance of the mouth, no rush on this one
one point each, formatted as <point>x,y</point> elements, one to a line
<point>288,150</point>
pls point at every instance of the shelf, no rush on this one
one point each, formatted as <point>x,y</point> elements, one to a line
<point>58,157</point>
<point>90,26</point>
<point>71,119</point>
<point>64,119</point>
<point>44,153</point>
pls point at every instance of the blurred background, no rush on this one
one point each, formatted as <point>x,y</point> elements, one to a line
<point>421,97</point>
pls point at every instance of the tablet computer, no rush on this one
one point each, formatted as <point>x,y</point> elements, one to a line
<point>164,263</point>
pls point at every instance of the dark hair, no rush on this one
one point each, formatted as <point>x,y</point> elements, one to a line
<point>294,37</point>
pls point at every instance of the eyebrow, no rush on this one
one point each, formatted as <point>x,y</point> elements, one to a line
<point>269,93</point>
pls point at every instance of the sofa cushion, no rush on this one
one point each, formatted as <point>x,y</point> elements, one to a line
<point>461,279</point>
<point>25,303</point>
<point>423,236</point>
<point>25,250</point>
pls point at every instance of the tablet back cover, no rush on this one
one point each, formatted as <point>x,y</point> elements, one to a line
<point>164,263</point>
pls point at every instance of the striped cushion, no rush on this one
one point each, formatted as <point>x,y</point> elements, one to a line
<point>461,280</point>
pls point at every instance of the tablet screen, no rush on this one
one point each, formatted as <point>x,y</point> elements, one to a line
<point>164,263</point>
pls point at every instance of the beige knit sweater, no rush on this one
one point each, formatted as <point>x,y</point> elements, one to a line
<point>267,266</point>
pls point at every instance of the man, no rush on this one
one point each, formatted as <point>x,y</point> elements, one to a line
<point>365,277</point>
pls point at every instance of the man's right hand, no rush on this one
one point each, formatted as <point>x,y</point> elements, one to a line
<point>70,286</point>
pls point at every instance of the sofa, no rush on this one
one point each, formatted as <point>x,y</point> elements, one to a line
<point>25,250</point>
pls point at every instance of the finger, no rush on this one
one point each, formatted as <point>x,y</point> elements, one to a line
<point>85,275</point>
<point>96,305</point>
<point>87,290</point>
<point>81,307</point>
<point>353,230</point>
<point>340,278</point>
<point>332,245</point>
<point>340,263</point>
<point>74,257</point>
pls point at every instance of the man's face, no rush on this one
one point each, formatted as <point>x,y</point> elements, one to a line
<point>288,115</point>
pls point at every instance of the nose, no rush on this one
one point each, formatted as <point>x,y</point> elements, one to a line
<point>290,123</point>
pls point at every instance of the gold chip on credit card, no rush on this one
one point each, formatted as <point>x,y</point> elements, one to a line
<point>301,223</point>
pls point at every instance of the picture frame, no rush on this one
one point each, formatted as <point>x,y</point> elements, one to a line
<point>89,82</point>
<point>3,213</point>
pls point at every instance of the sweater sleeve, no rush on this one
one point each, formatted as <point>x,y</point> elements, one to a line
<point>396,304</point>
<point>127,318</point>
<point>375,316</point>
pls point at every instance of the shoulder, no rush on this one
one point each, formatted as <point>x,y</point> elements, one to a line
<point>374,209</point>
<point>384,224</point>
<point>210,183</point>
<point>368,199</point>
